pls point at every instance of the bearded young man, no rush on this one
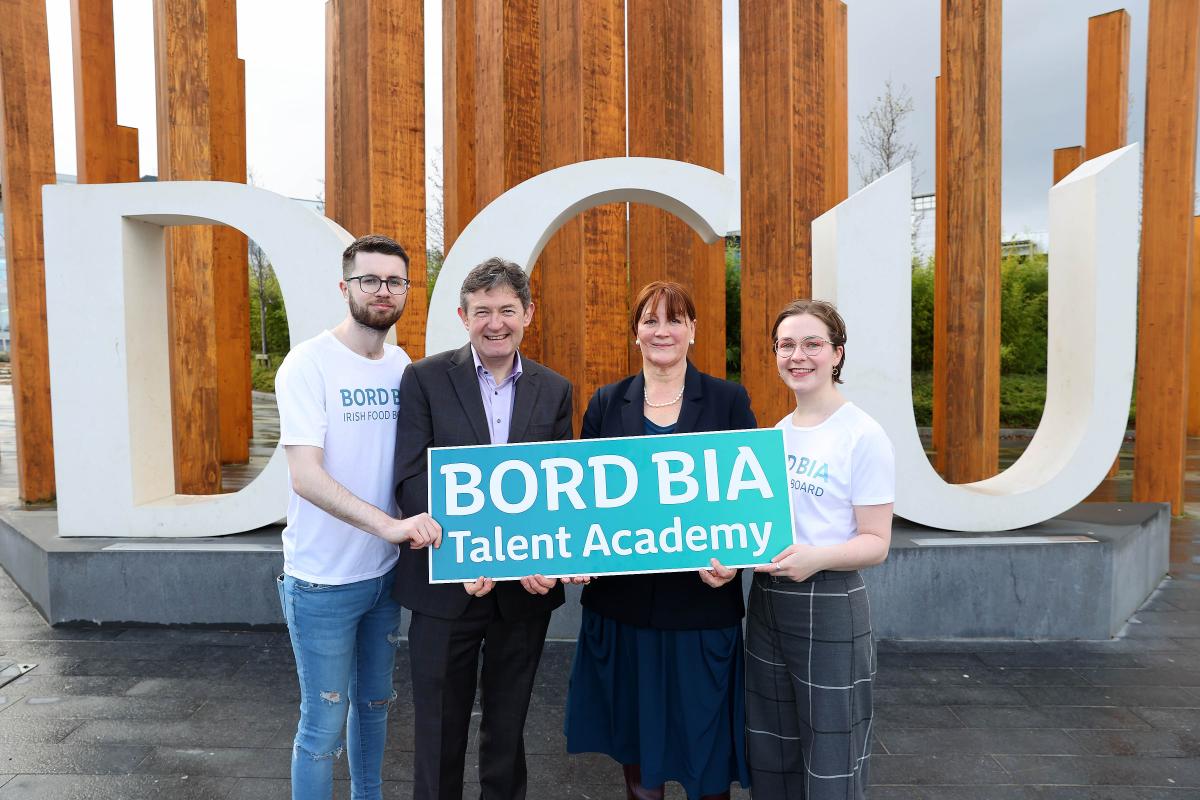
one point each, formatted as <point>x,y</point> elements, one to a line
<point>338,396</point>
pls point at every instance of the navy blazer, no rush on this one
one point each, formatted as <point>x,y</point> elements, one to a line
<point>668,600</point>
<point>440,406</point>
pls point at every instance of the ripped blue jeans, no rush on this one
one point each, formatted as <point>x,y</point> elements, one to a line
<point>344,637</point>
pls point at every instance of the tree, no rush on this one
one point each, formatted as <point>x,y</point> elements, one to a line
<point>881,143</point>
<point>267,313</point>
<point>435,223</point>
<point>260,269</point>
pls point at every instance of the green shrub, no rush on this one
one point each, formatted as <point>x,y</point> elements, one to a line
<point>278,340</point>
<point>1022,398</point>
<point>1024,293</point>
<point>733,308</point>
<point>262,376</point>
<point>1023,306</point>
<point>922,391</point>
<point>922,317</point>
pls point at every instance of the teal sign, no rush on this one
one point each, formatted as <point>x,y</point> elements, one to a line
<point>609,506</point>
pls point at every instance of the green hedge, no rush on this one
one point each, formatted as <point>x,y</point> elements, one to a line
<point>1023,302</point>
<point>1022,398</point>
<point>262,376</point>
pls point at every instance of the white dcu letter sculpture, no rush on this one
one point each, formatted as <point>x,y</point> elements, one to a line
<point>109,371</point>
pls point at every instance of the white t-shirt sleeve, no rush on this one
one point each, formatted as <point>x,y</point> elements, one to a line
<point>873,469</point>
<point>300,393</point>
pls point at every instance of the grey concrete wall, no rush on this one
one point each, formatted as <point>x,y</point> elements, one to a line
<point>1056,591</point>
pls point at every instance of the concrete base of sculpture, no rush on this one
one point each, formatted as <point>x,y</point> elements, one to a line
<point>935,584</point>
<point>995,586</point>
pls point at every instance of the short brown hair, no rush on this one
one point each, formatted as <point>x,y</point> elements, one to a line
<point>679,301</point>
<point>826,312</point>
<point>495,273</point>
<point>371,243</point>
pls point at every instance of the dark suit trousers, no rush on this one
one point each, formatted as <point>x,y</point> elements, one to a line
<point>445,667</point>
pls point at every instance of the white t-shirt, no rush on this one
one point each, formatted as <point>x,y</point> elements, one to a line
<point>845,461</point>
<point>333,398</point>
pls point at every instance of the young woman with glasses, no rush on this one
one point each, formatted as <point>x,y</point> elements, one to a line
<point>810,656</point>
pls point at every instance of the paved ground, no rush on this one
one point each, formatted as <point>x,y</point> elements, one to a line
<point>133,713</point>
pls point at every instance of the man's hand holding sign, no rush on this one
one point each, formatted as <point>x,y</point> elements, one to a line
<point>696,501</point>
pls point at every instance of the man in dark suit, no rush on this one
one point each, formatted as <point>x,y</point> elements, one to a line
<point>482,393</point>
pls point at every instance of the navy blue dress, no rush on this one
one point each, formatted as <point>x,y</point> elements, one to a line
<point>671,701</point>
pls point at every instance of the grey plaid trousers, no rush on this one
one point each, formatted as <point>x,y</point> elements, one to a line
<point>810,660</point>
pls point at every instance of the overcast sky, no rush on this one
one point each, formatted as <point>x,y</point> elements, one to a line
<point>282,41</point>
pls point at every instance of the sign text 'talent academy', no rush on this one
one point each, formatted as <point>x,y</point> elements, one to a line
<point>607,506</point>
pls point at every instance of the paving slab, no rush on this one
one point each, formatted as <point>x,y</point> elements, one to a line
<point>239,733</point>
<point>1103,770</point>
<point>107,787</point>
<point>71,758</point>
<point>976,741</point>
<point>120,712</point>
<point>1156,743</point>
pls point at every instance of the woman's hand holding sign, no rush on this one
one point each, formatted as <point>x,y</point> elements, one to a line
<point>717,575</point>
<point>797,562</point>
<point>536,584</point>
<point>479,587</point>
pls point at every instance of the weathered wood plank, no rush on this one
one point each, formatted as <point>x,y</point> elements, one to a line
<point>104,151</point>
<point>26,165</point>
<point>1107,83</point>
<point>675,111</point>
<point>585,288</point>
<point>801,120</point>
<point>492,105</point>
<point>1066,159</point>
<point>1193,428</point>
<point>940,295</point>
<point>1107,115</point>
<point>1167,233</point>
<point>185,152</point>
<point>970,371</point>
<point>375,135</point>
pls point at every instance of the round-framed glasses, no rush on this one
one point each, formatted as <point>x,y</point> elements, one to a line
<point>371,283</point>
<point>809,345</point>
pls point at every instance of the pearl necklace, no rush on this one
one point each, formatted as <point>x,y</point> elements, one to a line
<point>671,402</point>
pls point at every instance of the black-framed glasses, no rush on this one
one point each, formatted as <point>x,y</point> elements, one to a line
<point>809,345</point>
<point>371,283</point>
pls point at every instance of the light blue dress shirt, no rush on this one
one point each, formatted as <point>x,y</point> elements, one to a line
<point>497,399</point>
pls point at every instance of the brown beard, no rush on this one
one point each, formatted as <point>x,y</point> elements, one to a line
<point>374,320</point>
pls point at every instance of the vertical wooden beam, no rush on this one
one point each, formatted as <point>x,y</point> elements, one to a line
<point>1107,83</point>
<point>104,151</point>
<point>1066,159</point>
<point>941,300</point>
<point>458,117</point>
<point>1167,232</point>
<point>1107,119</point>
<point>375,135</point>
<point>347,134</point>
<point>837,99</point>
<point>26,165</point>
<point>970,370</point>
<point>793,95</point>
<point>231,275</point>
<point>492,114</point>
<point>675,111</point>
<point>582,269</point>
<point>1193,426</point>
<point>185,152</point>
<point>231,264</point>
